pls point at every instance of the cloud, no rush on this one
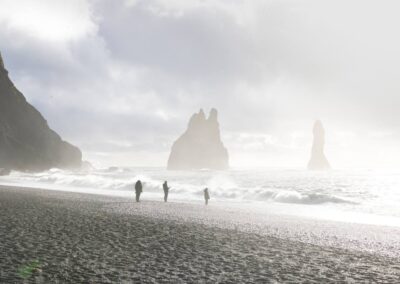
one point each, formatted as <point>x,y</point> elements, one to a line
<point>127,74</point>
<point>49,20</point>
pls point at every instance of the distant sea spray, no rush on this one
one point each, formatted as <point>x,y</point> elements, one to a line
<point>224,185</point>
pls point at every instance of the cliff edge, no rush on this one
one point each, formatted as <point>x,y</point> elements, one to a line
<point>26,141</point>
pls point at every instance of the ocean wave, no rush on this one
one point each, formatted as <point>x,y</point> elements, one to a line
<point>76,179</point>
<point>115,170</point>
<point>221,186</point>
<point>306,198</point>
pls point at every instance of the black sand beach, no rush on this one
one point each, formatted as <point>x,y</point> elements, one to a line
<point>59,237</point>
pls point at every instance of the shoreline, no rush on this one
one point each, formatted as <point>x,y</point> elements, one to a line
<point>298,210</point>
<point>371,238</point>
<point>82,237</point>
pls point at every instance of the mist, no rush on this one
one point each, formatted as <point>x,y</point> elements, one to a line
<point>121,79</point>
<point>199,141</point>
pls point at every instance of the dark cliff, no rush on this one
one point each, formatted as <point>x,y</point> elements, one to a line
<point>26,141</point>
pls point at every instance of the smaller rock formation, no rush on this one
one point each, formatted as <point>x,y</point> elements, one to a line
<point>200,147</point>
<point>318,160</point>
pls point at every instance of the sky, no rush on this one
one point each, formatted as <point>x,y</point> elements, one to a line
<point>120,79</point>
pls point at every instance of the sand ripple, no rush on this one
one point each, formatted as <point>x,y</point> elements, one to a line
<point>75,240</point>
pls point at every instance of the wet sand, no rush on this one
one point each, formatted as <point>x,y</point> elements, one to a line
<point>60,237</point>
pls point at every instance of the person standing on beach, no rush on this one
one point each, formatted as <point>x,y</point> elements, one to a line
<point>206,195</point>
<point>138,190</point>
<point>166,190</point>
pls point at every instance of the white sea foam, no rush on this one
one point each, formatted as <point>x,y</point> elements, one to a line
<point>345,191</point>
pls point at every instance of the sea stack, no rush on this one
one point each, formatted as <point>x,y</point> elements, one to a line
<point>200,147</point>
<point>318,160</point>
<point>26,141</point>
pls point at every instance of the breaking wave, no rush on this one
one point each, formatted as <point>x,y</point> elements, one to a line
<point>185,185</point>
<point>311,198</point>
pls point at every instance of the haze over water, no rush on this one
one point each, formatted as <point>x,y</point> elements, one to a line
<point>271,68</point>
<point>285,112</point>
<point>128,75</point>
<point>365,196</point>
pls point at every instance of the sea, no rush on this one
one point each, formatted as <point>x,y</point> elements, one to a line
<point>360,196</point>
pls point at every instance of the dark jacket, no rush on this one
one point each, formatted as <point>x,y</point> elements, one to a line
<point>206,194</point>
<point>138,186</point>
<point>165,187</point>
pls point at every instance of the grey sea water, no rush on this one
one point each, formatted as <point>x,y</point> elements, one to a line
<point>368,196</point>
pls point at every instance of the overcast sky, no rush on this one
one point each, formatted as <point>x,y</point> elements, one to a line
<point>121,78</point>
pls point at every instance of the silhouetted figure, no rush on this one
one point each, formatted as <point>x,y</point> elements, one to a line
<point>166,190</point>
<point>138,190</point>
<point>206,195</point>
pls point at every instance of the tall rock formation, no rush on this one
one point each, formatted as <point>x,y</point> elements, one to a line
<point>200,147</point>
<point>318,160</point>
<point>26,141</point>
